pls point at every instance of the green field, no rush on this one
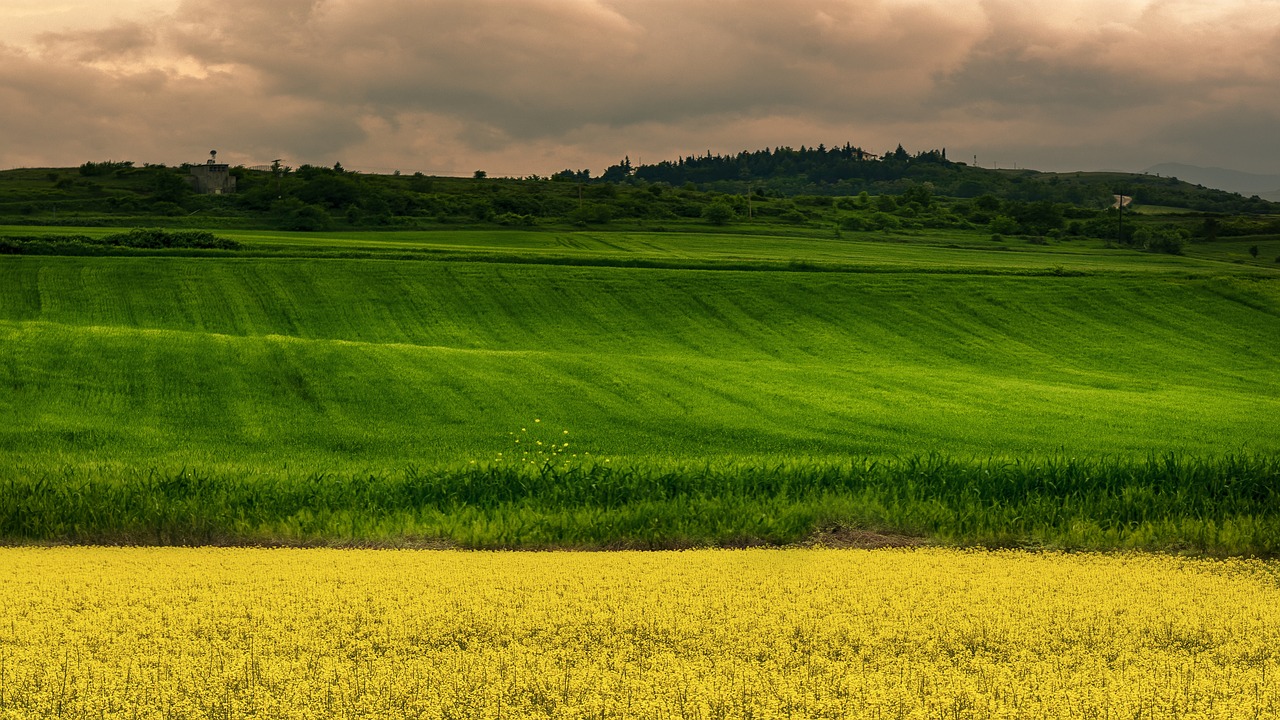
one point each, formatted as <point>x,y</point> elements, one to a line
<point>677,362</point>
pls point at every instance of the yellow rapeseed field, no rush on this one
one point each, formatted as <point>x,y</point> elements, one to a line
<point>240,633</point>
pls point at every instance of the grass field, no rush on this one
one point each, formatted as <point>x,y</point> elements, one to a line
<point>294,365</point>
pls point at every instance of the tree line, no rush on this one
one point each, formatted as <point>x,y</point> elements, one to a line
<point>841,187</point>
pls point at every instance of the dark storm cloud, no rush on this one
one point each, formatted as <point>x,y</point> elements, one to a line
<point>544,84</point>
<point>1223,135</point>
<point>546,70</point>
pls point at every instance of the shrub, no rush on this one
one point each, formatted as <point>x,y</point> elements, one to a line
<point>140,238</point>
<point>1161,238</point>
<point>167,208</point>
<point>91,169</point>
<point>155,238</point>
<point>515,219</point>
<point>718,213</point>
<point>293,214</point>
<point>1004,225</point>
<point>591,214</point>
<point>885,221</point>
<point>886,203</point>
<point>855,222</point>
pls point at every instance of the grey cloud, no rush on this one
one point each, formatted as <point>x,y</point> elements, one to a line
<point>1006,80</point>
<point>474,81</point>
<point>538,68</point>
<point>59,114</point>
<point>1244,138</point>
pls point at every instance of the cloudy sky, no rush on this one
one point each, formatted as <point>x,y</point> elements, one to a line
<point>519,87</point>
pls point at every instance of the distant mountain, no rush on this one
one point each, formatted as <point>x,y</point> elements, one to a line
<point>1266,187</point>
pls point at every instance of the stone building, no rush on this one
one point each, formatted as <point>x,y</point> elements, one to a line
<point>213,177</point>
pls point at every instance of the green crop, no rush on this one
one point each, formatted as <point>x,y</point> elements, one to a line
<point>265,375</point>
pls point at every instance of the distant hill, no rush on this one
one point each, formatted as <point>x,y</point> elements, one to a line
<point>782,185</point>
<point>848,170</point>
<point>1266,187</point>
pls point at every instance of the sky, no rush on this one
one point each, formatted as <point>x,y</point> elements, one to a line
<point>531,87</point>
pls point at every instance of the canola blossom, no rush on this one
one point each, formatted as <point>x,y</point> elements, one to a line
<point>925,633</point>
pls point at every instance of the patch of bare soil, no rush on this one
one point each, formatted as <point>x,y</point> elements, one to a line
<point>844,537</point>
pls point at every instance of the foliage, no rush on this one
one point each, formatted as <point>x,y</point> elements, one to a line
<point>1161,238</point>
<point>1222,506</point>
<point>97,169</point>
<point>923,190</point>
<point>718,213</point>
<point>294,214</point>
<point>138,238</point>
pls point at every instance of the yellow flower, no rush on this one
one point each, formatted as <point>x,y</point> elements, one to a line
<point>309,634</point>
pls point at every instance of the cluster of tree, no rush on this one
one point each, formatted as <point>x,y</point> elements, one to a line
<point>820,165</point>
<point>849,170</point>
<point>97,169</point>
<point>1215,226</point>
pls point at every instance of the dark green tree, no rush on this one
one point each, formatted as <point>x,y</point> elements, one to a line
<point>718,213</point>
<point>919,192</point>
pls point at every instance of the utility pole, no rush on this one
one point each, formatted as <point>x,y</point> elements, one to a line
<point>275,169</point>
<point>1120,218</point>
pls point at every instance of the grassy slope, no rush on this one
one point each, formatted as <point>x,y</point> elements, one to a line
<point>931,251</point>
<point>245,367</point>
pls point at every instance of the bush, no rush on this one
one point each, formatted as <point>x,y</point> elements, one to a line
<point>167,208</point>
<point>855,222</point>
<point>139,238</point>
<point>591,214</point>
<point>514,219</point>
<point>718,213</point>
<point>1004,225</point>
<point>1161,238</point>
<point>92,169</point>
<point>293,214</point>
<point>885,221</point>
<point>155,238</point>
